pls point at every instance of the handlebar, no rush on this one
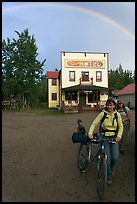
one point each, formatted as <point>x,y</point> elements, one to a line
<point>101,138</point>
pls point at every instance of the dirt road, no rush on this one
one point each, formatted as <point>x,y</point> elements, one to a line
<point>39,161</point>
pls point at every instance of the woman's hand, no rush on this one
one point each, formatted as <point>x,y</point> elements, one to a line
<point>90,135</point>
<point>118,138</point>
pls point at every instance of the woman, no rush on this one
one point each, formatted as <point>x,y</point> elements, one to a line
<point>110,127</point>
<point>126,116</point>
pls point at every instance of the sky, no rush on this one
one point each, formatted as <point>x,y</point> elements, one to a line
<point>74,27</point>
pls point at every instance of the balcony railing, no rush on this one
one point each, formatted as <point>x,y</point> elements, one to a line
<point>86,81</point>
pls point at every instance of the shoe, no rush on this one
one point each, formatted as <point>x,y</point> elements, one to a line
<point>109,181</point>
<point>83,171</point>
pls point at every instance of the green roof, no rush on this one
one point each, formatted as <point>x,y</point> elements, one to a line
<point>85,88</point>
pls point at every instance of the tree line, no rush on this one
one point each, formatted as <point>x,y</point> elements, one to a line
<point>23,77</point>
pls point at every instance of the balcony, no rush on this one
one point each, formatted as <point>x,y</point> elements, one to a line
<point>85,81</point>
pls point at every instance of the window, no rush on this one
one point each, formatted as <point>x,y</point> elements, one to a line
<point>98,76</point>
<point>54,96</point>
<point>93,96</point>
<point>72,76</point>
<point>54,82</point>
<point>70,95</point>
<point>85,76</point>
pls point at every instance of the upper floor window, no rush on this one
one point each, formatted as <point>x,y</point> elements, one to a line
<point>85,76</point>
<point>98,76</point>
<point>54,82</point>
<point>72,76</point>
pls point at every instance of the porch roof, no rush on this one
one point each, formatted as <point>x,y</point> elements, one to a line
<point>85,88</point>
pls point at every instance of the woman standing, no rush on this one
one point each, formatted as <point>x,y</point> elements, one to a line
<point>112,127</point>
<point>126,116</point>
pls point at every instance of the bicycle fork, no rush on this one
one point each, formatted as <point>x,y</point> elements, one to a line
<point>89,153</point>
<point>101,157</point>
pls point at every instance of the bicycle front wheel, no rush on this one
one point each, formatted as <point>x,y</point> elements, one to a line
<point>82,159</point>
<point>102,177</point>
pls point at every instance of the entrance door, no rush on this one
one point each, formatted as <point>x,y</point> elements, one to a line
<point>82,99</point>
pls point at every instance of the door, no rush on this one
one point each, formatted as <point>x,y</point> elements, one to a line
<point>82,99</point>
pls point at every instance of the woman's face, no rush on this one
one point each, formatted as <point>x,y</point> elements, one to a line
<point>120,105</point>
<point>110,107</point>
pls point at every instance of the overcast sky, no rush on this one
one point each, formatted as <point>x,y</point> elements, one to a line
<point>75,27</point>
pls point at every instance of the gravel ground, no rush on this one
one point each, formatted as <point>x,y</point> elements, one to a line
<point>39,161</point>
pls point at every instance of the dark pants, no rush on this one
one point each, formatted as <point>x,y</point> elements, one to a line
<point>124,137</point>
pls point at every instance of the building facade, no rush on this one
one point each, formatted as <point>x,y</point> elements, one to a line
<point>53,88</point>
<point>127,95</point>
<point>82,82</point>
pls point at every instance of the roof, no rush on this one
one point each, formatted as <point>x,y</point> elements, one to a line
<point>129,89</point>
<point>52,74</point>
<point>85,88</point>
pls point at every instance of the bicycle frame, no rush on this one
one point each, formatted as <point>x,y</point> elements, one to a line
<point>85,156</point>
<point>91,158</point>
<point>102,166</point>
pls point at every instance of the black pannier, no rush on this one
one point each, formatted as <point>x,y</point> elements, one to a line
<point>77,137</point>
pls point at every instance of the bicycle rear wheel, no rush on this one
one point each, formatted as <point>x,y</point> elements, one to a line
<point>82,158</point>
<point>102,177</point>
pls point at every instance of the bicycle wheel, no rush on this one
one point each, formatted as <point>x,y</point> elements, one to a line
<point>82,159</point>
<point>102,177</point>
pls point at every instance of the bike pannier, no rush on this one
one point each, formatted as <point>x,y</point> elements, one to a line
<point>77,138</point>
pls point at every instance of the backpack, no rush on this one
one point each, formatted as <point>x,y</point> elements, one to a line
<point>101,130</point>
<point>126,113</point>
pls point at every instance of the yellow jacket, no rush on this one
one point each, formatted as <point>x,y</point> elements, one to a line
<point>108,123</point>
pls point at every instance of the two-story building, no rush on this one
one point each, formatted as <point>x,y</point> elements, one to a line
<point>82,82</point>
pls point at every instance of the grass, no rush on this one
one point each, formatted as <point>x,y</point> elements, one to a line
<point>37,110</point>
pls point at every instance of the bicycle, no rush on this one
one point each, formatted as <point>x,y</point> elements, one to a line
<point>85,156</point>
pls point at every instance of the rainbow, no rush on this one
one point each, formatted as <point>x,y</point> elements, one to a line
<point>7,9</point>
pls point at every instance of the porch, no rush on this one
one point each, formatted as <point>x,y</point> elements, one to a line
<point>75,107</point>
<point>83,98</point>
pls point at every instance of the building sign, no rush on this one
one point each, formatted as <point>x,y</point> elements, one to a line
<point>85,63</point>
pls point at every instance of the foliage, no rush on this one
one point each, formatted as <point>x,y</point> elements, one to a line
<point>41,90</point>
<point>21,70</point>
<point>118,78</point>
<point>22,73</point>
